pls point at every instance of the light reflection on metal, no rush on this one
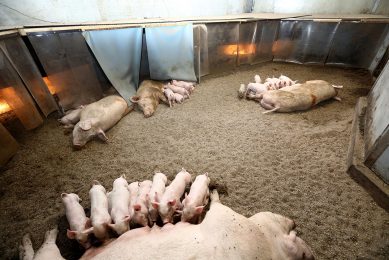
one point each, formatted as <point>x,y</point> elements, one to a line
<point>50,86</point>
<point>4,107</point>
<point>242,49</point>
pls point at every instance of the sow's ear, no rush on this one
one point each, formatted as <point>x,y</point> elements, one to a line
<point>134,99</point>
<point>102,136</point>
<point>85,125</point>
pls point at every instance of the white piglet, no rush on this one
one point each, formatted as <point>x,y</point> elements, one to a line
<point>169,94</point>
<point>99,210</point>
<point>286,81</point>
<point>80,225</point>
<point>179,90</point>
<point>118,201</point>
<point>179,98</point>
<point>170,200</point>
<point>196,200</point>
<point>156,192</point>
<point>189,86</point>
<point>141,211</point>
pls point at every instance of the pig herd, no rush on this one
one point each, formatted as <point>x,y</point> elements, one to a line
<point>90,121</point>
<point>151,206</point>
<point>285,95</point>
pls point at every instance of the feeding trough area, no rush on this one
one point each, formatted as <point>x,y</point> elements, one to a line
<point>237,134</point>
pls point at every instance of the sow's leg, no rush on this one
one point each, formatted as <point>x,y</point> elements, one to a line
<point>26,252</point>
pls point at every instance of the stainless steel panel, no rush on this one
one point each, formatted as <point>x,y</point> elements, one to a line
<point>200,43</point>
<point>311,41</point>
<point>13,91</point>
<point>223,39</point>
<point>266,34</point>
<point>19,56</point>
<point>69,65</point>
<point>355,44</point>
<point>247,44</point>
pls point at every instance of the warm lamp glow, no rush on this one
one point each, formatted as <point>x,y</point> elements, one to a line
<point>244,49</point>
<point>4,107</point>
<point>51,87</point>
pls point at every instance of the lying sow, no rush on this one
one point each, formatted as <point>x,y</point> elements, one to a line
<point>299,97</point>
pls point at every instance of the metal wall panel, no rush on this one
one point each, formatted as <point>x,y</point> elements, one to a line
<point>266,34</point>
<point>223,39</point>
<point>69,65</point>
<point>13,91</point>
<point>312,41</point>
<point>355,44</point>
<point>284,44</point>
<point>19,56</point>
<point>170,52</point>
<point>247,46</point>
<point>200,44</point>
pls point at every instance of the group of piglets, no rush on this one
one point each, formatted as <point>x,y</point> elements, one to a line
<point>138,203</point>
<point>285,95</point>
<point>151,92</point>
<point>255,90</point>
<point>93,120</point>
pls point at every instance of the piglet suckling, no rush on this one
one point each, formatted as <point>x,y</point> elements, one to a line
<point>178,98</point>
<point>196,200</point>
<point>141,209</point>
<point>118,201</point>
<point>80,225</point>
<point>156,192</point>
<point>133,188</point>
<point>286,81</point>
<point>169,94</point>
<point>170,200</point>
<point>179,90</point>
<point>189,86</point>
<point>100,217</point>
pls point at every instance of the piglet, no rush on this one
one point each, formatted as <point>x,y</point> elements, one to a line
<point>133,188</point>
<point>189,86</point>
<point>179,90</point>
<point>170,200</point>
<point>118,201</point>
<point>80,225</point>
<point>256,88</point>
<point>273,83</point>
<point>198,197</point>
<point>179,98</point>
<point>99,210</point>
<point>141,211</point>
<point>71,117</point>
<point>257,79</point>
<point>156,192</point>
<point>285,81</point>
<point>169,94</point>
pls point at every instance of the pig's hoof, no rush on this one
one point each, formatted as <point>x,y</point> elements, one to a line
<point>215,196</point>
